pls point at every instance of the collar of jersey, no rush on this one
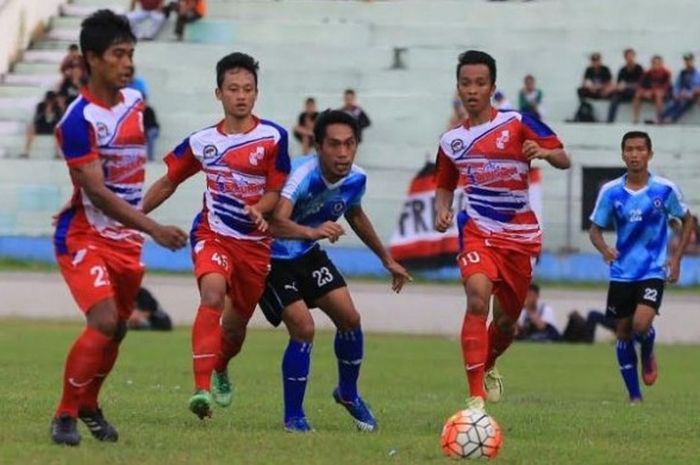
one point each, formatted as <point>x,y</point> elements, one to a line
<point>643,189</point>
<point>220,128</point>
<point>494,113</point>
<point>92,99</point>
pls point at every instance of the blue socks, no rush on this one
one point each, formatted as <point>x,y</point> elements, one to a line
<point>348,350</point>
<point>627,358</point>
<point>646,341</point>
<point>295,373</point>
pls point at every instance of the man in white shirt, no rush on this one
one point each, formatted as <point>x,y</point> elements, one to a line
<point>536,322</point>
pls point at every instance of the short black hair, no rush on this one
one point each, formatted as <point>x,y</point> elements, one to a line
<point>102,29</point>
<point>349,91</point>
<point>73,47</point>
<point>310,100</point>
<point>329,117</point>
<point>236,60</point>
<point>535,288</point>
<point>477,57</point>
<point>636,135</point>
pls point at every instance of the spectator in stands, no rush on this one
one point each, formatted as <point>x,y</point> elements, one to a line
<point>501,102</point>
<point>304,130</point>
<point>580,329</point>
<point>149,10</point>
<point>685,92</point>
<point>458,112</point>
<point>628,80</point>
<point>72,59</point>
<point>71,85</point>
<point>597,80</point>
<point>47,114</point>
<point>655,86</point>
<point>188,11</point>
<point>530,98</point>
<point>148,314</point>
<point>351,107</point>
<point>152,129</point>
<point>536,322</point>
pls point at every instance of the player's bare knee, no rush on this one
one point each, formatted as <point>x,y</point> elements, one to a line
<point>641,326</point>
<point>104,317</point>
<point>303,331</point>
<point>349,321</point>
<point>212,298</point>
<point>505,324</point>
<point>477,306</point>
<point>624,332</point>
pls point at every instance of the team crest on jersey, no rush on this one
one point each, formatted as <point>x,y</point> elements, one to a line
<point>658,203</point>
<point>255,157</point>
<point>338,207</point>
<point>503,139</point>
<point>210,151</point>
<point>457,145</point>
<point>102,130</point>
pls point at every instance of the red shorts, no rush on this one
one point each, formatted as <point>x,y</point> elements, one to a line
<point>95,273</point>
<point>244,264</point>
<point>508,269</point>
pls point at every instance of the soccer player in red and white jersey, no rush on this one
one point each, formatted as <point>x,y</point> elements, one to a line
<point>489,154</point>
<point>246,162</point>
<point>98,236</point>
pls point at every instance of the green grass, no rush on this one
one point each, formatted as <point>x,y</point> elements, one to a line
<point>565,404</point>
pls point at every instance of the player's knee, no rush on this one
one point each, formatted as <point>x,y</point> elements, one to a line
<point>350,321</point>
<point>106,324</point>
<point>212,298</point>
<point>641,326</point>
<point>477,306</point>
<point>120,332</point>
<point>302,330</point>
<point>624,333</point>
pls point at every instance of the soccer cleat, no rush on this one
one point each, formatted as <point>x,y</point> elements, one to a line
<point>649,370</point>
<point>64,430</point>
<point>493,385</point>
<point>634,401</point>
<point>98,425</point>
<point>297,425</point>
<point>221,388</point>
<point>476,403</point>
<point>360,412</point>
<point>200,404</point>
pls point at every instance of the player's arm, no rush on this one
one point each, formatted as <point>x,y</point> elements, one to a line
<point>284,227</point>
<point>446,178</point>
<point>158,193</point>
<point>90,178</point>
<point>598,241</point>
<point>541,143</point>
<point>262,209</point>
<point>674,262</point>
<point>361,224</point>
<point>181,164</point>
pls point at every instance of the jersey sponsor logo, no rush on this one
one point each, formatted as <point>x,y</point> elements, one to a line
<point>239,185</point>
<point>210,151</point>
<point>102,130</point>
<point>457,145</point>
<point>503,139</point>
<point>490,172</point>
<point>256,156</point>
<point>635,215</point>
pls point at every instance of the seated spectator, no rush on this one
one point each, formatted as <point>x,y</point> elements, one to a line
<point>149,10</point>
<point>71,85</point>
<point>73,58</point>
<point>188,11</point>
<point>148,314</point>
<point>500,102</point>
<point>47,114</point>
<point>536,322</point>
<point>530,98</point>
<point>655,86</point>
<point>351,107</point>
<point>152,129</point>
<point>628,79</point>
<point>304,130</point>
<point>458,112</point>
<point>597,80</point>
<point>685,92</point>
<point>580,329</point>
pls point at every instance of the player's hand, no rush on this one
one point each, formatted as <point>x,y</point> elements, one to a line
<point>610,254</point>
<point>329,230</point>
<point>533,151</point>
<point>673,268</point>
<point>257,217</point>
<point>170,237</point>
<point>399,275</point>
<point>443,220</point>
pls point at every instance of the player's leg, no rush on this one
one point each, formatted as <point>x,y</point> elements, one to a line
<point>649,296</point>
<point>621,305</point>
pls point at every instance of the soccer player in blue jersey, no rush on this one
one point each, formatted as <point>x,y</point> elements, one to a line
<point>320,189</point>
<point>639,204</point>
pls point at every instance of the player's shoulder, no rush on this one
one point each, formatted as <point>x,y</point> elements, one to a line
<point>357,175</point>
<point>303,167</point>
<point>271,126</point>
<point>131,96</point>
<point>663,182</point>
<point>74,115</point>
<point>611,186</point>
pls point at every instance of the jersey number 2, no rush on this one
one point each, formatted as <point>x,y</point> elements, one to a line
<point>100,274</point>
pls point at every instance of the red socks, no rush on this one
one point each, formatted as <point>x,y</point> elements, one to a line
<point>85,360</point>
<point>206,345</point>
<point>474,352</point>
<point>93,390</point>
<point>498,343</point>
<point>229,350</point>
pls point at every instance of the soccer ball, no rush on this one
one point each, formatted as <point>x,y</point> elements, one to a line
<point>471,434</point>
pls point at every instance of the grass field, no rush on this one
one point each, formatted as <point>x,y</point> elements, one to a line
<point>565,404</point>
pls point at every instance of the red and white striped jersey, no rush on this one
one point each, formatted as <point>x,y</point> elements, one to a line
<point>488,161</point>
<point>239,168</point>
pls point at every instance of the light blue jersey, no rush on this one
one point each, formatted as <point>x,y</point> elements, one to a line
<point>316,201</point>
<point>641,220</point>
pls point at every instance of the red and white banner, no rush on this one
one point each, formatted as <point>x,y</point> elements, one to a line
<point>415,243</point>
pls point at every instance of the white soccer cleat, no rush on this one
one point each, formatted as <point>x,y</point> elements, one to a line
<point>493,385</point>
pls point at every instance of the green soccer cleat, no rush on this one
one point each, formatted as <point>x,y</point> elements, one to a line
<point>221,388</point>
<point>200,404</point>
<point>493,385</point>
